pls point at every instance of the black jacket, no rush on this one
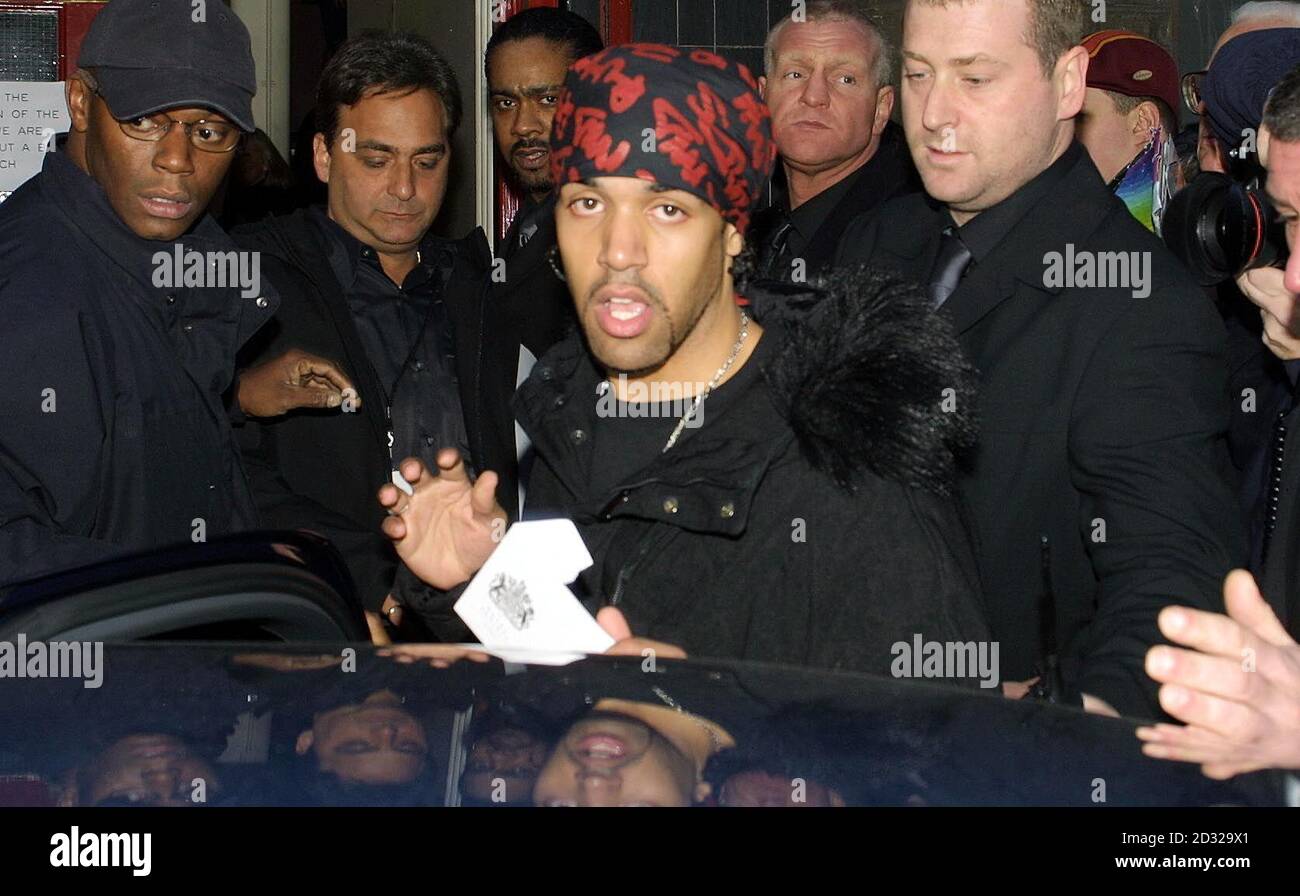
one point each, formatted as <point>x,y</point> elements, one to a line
<point>527,291</point>
<point>1279,580</point>
<point>887,174</point>
<point>115,434</point>
<point>531,307</point>
<point>739,543</point>
<point>321,470</point>
<point>1102,472</point>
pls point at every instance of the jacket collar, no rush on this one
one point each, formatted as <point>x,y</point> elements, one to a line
<point>70,187</point>
<point>347,253</point>
<point>888,173</point>
<point>299,240</point>
<point>227,319</point>
<point>1079,204</point>
<point>856,371</point>
<point>1077,207</point>
<point>523,260</point>
<point>706,483</point>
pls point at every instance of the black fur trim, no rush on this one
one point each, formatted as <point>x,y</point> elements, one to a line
<point>863,376</point>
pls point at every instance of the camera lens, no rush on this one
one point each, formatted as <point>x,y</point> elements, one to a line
<point>1220,228</point>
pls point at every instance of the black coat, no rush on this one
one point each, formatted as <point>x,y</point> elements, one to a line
<point>886,175</point>
<point>1097,409</point>
<point>320,470</point>
<point>527,293</point>
<point>1280,578</point>
<point>531,307</point>
<point>699,548</point>
<point>115,436</point>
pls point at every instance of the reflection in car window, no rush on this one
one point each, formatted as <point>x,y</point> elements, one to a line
<point>197,725</point>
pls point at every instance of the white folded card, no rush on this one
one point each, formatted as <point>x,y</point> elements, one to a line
<point>520,598</point>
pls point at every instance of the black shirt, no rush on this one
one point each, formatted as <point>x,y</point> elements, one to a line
<point>809,217</point>
<point>629,436</point>
<point>812,231</point>
<point>405,331</point>
<point>982,233</point>
<point>388,317</point>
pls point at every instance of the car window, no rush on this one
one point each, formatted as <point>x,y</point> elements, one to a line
<point>266,724</point>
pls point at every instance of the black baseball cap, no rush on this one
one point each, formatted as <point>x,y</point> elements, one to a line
<point>153,55</point>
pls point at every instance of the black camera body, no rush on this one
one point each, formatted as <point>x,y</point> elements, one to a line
<point>1222,225</point>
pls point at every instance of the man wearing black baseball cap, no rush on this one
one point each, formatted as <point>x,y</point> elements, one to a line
<point>139,60</point>
<point>124,303</point>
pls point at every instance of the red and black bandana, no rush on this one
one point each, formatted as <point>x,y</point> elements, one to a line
<point>688,119</point>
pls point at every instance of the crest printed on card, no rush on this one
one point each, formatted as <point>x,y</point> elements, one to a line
<point>510,596</point>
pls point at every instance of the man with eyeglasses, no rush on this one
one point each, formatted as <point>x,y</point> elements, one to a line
<point>119,361</point>
<point>1257,16</point>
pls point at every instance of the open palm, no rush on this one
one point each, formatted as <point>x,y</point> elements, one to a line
<point>446,531</point>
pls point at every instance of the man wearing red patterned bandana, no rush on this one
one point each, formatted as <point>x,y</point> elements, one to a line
<point>765,478</point>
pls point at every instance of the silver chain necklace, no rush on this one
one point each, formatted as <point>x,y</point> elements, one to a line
<point>717,378</point>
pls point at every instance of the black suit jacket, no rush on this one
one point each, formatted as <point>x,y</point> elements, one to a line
<point>1102,470</point>
<point>320,470</point>
<point>888,174</point>
<point>531,307</point>
<point>527,292</point>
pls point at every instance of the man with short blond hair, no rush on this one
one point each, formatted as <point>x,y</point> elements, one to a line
<point>830,84</point>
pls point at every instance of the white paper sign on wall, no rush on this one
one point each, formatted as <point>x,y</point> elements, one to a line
<point>31,114</point>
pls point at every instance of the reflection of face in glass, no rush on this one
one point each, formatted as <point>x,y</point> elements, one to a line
<point>757,788</point>
<point>502,766</point>
<point>608,759</point>
<point>373,742</point>
<point>286,662</point>
<point>151,770</point>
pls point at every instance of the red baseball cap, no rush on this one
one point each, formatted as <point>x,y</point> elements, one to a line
<point>1128,63</point>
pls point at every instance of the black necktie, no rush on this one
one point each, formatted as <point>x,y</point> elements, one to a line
<point>953,259</point>
<point>777,265</point>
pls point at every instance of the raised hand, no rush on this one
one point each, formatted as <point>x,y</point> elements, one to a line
<point>449,527</point>
<point>1238,688</point>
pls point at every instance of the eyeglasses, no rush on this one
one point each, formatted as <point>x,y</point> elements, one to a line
<point>209,136</point>
<point>1192,91</point>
